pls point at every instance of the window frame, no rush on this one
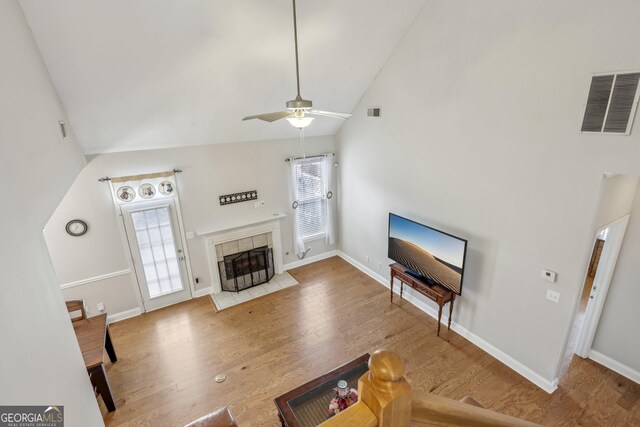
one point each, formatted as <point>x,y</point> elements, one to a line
<point>311,200</point>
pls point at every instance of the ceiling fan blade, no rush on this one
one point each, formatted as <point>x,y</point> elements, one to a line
<point>343,116</point>
<point>270,117</point>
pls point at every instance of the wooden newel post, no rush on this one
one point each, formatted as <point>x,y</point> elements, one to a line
<point>385,391</point>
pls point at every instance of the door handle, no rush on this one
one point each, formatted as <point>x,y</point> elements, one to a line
<point>181,258</point>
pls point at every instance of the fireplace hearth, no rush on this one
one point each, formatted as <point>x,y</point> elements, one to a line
<point>246,269</point>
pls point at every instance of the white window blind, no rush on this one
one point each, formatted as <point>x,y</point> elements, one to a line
<point>311,213</point>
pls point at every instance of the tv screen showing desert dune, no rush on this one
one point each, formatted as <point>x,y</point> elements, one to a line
<point>435,255</point>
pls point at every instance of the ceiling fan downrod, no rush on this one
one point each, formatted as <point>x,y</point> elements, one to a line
<point>298,102</point>
<point>299,111</point>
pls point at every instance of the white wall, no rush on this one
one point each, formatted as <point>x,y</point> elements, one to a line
<point>617,194</point>
<point>208,172</point>
<point>479,136</point>
<point>40,362</point>
<point>618,329</point>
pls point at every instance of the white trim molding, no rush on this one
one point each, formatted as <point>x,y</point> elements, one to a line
<point>411,296</point>
<point>311,259</point>
<point>203,292</point>
<point>95,279</point>
<point>601,281</point>
<point>116,317</point>
<point>615,366</point>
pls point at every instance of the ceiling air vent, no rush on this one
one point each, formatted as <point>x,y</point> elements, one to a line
<point>374,111</point>
<point>612,103</point>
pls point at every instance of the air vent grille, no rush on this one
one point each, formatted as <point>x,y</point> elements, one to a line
<point>611,103</point>
<point>374,111</point>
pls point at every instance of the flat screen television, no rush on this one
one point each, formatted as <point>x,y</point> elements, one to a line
<point>430,255</point>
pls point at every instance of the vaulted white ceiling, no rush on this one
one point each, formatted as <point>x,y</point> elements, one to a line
<point>147,74</point>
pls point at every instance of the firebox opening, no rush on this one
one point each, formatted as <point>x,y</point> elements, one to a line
<point>246,269</point>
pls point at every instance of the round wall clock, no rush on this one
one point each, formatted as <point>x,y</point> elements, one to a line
<point>76,227</point>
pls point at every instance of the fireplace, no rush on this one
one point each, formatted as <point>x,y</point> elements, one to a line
<point>246,269</point>
<point>242,238</point>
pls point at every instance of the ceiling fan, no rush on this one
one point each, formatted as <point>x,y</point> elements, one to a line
<point>299,111</point>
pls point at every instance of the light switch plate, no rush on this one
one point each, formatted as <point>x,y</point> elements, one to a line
<point>553,295</point>
<point>189,235</point>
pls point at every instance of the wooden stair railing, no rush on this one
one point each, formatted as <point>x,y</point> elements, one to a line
<point>385,399</point>
<point>433,410</point>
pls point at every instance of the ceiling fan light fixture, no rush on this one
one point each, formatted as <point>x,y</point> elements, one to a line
<point>300,122</point>
<point>299,106</point>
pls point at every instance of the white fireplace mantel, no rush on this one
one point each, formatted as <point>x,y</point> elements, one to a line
<point>241,231</point>
<point>238,223</point>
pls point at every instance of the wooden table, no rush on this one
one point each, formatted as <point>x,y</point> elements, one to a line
<point>437,293</point>
<point>93,337</point>
<point>316,392</point>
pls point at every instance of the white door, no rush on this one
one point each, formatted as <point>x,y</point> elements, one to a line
<point>158,257</point>
<point>615,234</point>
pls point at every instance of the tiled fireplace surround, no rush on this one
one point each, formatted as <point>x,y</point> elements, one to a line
<point>241,245</point>
<point>227,242</point>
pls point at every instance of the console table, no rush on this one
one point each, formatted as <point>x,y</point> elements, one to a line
<point>93,338</point>
<point>437,293</point>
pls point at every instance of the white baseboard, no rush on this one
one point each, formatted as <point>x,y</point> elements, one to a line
<point>421,303</point>
<point>366,270</point>
<point>520,368</point>
<point>202,292</point>
<point>311,259</point>
<point>615,366</point>
<point>116,317</point>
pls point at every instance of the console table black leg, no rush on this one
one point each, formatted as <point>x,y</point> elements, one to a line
<point>108,345</point>
<point>439,318</point>
<point>99,374</point>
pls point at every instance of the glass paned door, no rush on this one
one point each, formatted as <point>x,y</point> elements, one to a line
<point>157,251</point>
<point>157,254</point>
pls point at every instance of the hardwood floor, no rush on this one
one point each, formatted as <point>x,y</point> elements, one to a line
<point>167,359</point>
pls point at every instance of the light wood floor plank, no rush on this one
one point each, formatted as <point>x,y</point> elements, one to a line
<point>168,359</point>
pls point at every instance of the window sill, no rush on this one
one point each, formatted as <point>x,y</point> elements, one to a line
<point>314,237</point>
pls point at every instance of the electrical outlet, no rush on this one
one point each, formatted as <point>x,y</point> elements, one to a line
<point>380,267</point>
<point>258,204</point>
<point>366,259</point>
<point>100,307</point>
<point>553,295</point>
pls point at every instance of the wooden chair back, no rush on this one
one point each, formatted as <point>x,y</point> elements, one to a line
<point>75,306</point>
